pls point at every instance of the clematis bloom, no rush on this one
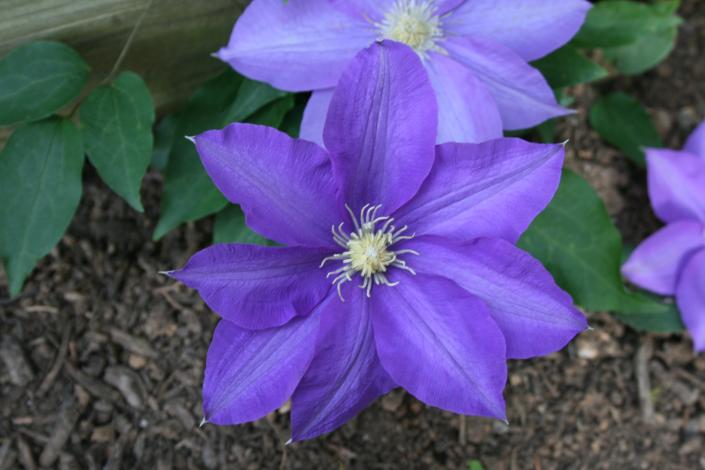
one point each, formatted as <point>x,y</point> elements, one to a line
<point>475,52</point>
<point>672,260</point>
<point>398,266</point>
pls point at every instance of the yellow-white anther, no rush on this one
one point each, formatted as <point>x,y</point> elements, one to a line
<point>368,250</point>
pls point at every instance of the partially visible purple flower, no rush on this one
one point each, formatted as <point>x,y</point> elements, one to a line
<point>399,267</point>
<point>475,52</point>
<point>672,260</point>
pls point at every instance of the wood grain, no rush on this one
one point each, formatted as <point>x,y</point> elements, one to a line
<point>171,49</point>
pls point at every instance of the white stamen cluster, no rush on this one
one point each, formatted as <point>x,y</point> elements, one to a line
<point>415,23</point>
<point>367,250</point>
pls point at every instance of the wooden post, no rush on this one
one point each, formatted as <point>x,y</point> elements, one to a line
<point>171,50</point>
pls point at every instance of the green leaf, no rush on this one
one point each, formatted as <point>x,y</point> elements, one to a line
<point>116,123</point>
<point>273,114</point>
<point>645,53</point>
<point>647,312</point>
<point>567,67</point>
<point>251,96</point>
<point>623,122</point>
<point>292,120</point>
<point>37,79</point>
<point>475,464</point>
<point>164,137</point>
<point>577,242</point>
<point>40,187</point>
<point>230,227</point>
<point>620,22</point>
<point>189,193</point>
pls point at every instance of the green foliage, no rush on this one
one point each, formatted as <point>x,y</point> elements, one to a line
<point>230,227</point>
<point>37,79</point>
<point>623,122</point>
<point>250,97</point>
<point>40,187</point>
<point>578,243</point>
<point>164,136</point>
<point>116,122</point>
<point>567,67</point>
<point>634,36</point>
<point>273,114</point>
<point>40,167</point>
<point>189,193</point>
<point>475,464</point>
<point>292,121</point>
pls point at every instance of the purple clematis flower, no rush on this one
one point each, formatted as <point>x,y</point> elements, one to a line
<point>398,266</point>
<point>475,52</point>
<point>672,260</point>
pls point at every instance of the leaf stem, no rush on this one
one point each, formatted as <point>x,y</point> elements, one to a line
<point>128,43</point>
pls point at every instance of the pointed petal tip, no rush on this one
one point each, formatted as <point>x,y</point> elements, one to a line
<point>167,273</point>
<point>289,442</point>
<point>190,138</point>
<point>565,143</point>
<point>203,422</point>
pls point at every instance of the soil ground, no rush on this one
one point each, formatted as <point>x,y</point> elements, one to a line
<point>102,358</point>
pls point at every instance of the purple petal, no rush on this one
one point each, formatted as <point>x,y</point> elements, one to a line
<point>494,189</point>
<point>372,11</point>
<point>257,287</point>
<point>531,28</point>
<point>522,94</point>
<point>251,373</point>
<point>297,46</point>
<point>381,127</point>
<point>345,375</point>
<point>690,297</point>
<point>445,6</point>
<point>315,116</point>
<point>285,187</point>
<point>696,142</point>
<point>534,314</point>
<point>657,262</point>
<point>467,111</point>
<point>676,185</point>
<point>440,344</point>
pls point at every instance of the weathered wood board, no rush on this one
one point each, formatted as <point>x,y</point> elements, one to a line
<point>171,49</point>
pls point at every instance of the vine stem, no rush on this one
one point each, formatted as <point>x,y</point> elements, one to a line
<point>128,43</point>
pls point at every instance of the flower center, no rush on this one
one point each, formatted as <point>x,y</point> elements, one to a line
<point>368,250</point>
<point>413,22</point>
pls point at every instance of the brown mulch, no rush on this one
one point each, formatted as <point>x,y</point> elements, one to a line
<point>101,358</point>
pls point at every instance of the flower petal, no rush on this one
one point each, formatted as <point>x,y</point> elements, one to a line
<point>657,262</point>
<point>440,344</point>
<point>381,127</point>
<point>534,314</point>
<point>372,11</point>
<point>676,185</point>
<point>257,287</point>
<point>285,187</point>
<point>696,142</point>
<point>522,94</point>
<point>315,116</point>
<point>690,297</point>
<point>532,28</point>
<point>297,46</point>
<point>345,375</point>
<point>494,189</point>
<point>467,111</point>
<point>251,373</point>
